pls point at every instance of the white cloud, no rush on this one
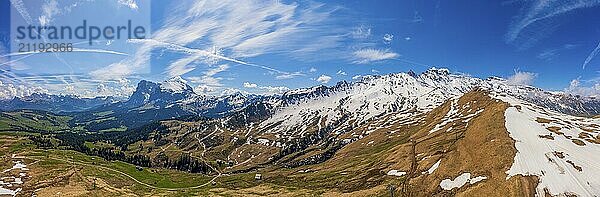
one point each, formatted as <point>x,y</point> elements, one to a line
<point>204,89</point>
<point>522,78</point>
<point>356,77</point>
<point>341,72</point>
<point>576,88</point>
<point>230,91</point>
<point>374,71</point>
<point>323,79</point>
<point>387,38</point>
<point>267,90</point>
<point>49,10</point>
<point>67,85</point>
<point>289,75</point>
<point>131,4</point>
<point>9,91</point>
<point>365,56</point>
<point>240,28</point>
<point>274,89</point>
<point>250,85</point>
<point>407,38</point>
<point>208,83</point>
<point>312,70</point>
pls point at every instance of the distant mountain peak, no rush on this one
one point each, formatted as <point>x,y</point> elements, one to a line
<point>176,84</point>
<point>436,71</point>
<point>412,73</point>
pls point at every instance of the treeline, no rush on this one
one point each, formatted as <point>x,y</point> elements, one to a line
<point>184,162</point>
<point>42,142</point>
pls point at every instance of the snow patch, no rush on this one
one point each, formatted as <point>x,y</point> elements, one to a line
<point>459,181</point>
<point>434,166</point>
<point>396,173</point>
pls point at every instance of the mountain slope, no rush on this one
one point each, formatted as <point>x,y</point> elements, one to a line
<point>429,134</point>
<point>432,134</point>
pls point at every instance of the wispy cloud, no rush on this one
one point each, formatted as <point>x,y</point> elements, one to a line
<point>74,50</point>
<point>289,75</point>
<point>20,7</point>
<point>341,72</point>
<point>591,55</point>
<point>364,56</point>
<point>535,21</point>
<point>49,9</point>
<point>208,83</point>
<point>141,57</point>
<point>550,54</point>
<point>323,79</point>
<point>131,4</point>
<point>239,29</point>
<point>250,85</point>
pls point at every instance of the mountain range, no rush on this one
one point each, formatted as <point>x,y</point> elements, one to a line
<point>430,134</point>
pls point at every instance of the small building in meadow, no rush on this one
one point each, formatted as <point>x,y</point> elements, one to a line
<point>258,176</point>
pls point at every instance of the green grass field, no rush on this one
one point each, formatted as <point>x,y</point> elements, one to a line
<point>27,120</point>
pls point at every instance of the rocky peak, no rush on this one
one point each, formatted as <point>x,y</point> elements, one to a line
<point>176,84</point>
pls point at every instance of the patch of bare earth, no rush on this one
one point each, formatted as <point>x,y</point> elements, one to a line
<point>483,148</point>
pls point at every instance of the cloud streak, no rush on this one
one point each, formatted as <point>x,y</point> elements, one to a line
<point>538,14</point>
<point>238,29</point>
<point>591,56</point>
<point>364,56</point>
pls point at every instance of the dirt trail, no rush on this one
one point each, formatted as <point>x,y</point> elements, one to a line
<point>413,167</point>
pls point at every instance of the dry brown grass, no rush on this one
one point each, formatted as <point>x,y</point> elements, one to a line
<point>482,149</point>
<point>543,120</point>
<point>550,137</point>
<point>555,129</point>
<point>578,142</point>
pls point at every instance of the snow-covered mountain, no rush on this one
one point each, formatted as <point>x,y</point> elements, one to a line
<point>313,126</point>
<point>170,99</point>
<point>375,96</point>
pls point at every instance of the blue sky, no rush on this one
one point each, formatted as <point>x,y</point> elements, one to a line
<point>270,46</point>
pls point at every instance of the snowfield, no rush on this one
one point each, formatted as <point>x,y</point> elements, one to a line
<point>563,166</point>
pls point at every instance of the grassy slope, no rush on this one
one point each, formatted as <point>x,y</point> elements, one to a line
<point>68,171</point>
<point>28,120</point>
<point>358,169</point>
